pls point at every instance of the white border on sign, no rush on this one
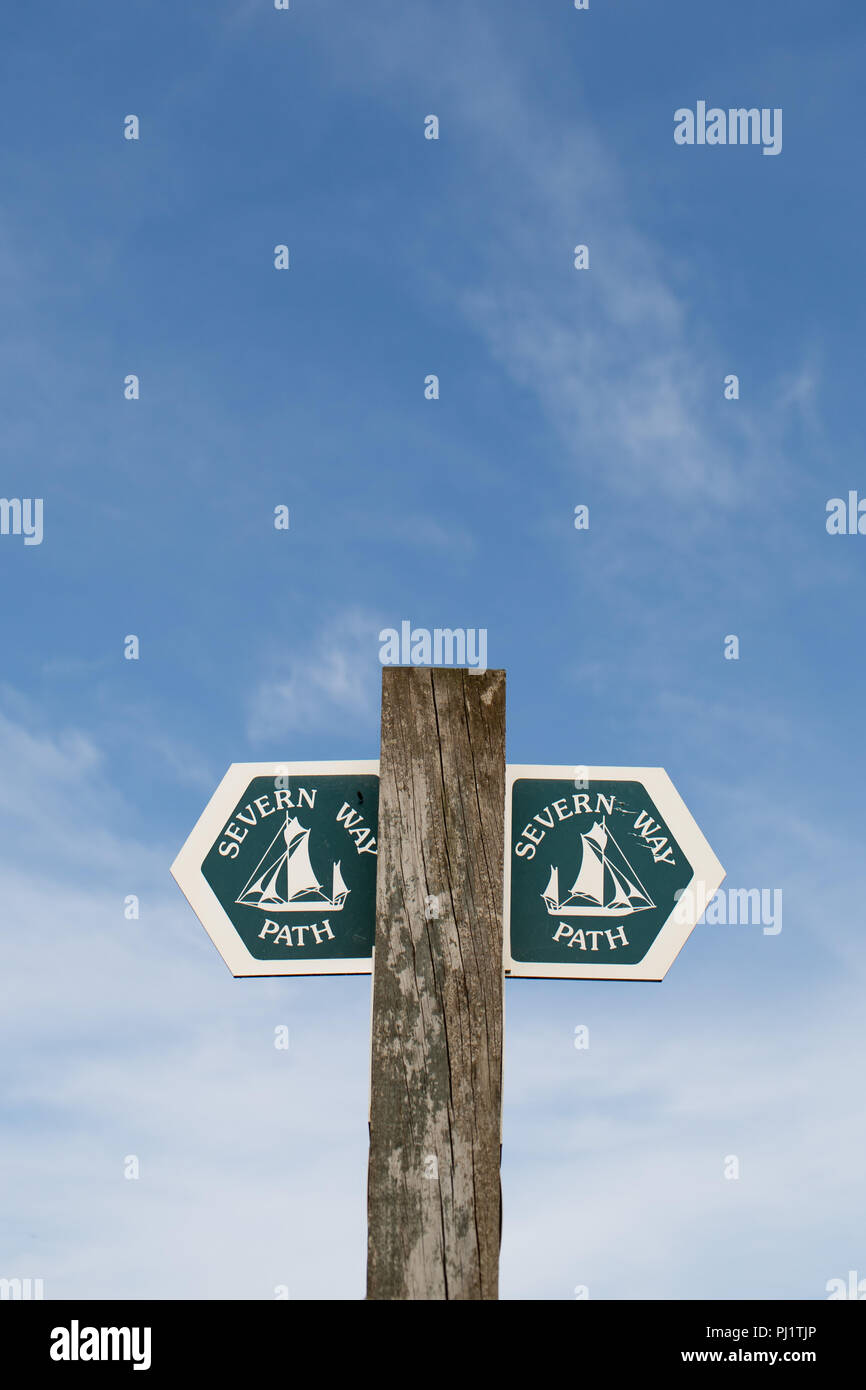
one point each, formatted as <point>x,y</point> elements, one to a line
<point>187,873</point>
<point>707,876</point>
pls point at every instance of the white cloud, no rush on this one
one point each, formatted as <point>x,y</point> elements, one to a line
<point>624,377</point>
<point>332,681</point>
<point>130,1037</point>
<point>121,1038</point>
<point>618,1178</point>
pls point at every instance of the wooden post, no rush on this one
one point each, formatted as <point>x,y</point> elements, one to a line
<point>434,1200</point>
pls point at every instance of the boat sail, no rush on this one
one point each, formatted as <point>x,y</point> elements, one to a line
<point>606,885</point>
<point>284,879</point>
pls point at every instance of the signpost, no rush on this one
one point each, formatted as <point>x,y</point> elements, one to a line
<point>606,875</point>
<point>436,1093</point>
<point>281,868</point>
<point>295,869</point>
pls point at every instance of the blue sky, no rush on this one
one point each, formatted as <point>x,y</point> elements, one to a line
<point>603,387</point>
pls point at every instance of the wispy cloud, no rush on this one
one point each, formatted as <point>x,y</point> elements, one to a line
<point>129,1037</point>
<point>331,681</point>
<point>617,1175</point>
<point>624,377</point>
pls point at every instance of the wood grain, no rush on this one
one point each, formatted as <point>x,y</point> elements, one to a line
<point>434,1199</point>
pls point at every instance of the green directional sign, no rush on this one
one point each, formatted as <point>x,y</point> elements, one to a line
<point>281,867</point>
<point>606,872</point>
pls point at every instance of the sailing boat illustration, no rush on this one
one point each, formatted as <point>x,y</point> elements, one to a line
<point>284,881</point>
<point>606,884</point>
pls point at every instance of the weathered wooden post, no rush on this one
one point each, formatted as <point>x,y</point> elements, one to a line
<point>435,1121</point>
